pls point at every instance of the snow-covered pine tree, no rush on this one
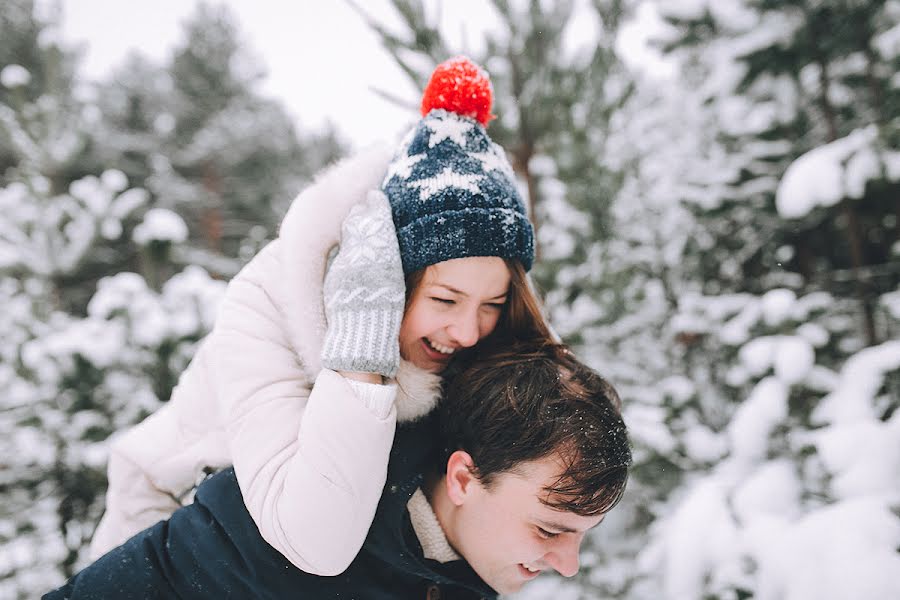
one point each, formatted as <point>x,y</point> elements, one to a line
<point>781,428</point>
<point>784,79</point>
<point>632,284</point>
<point>100,309</point>
<point>197,134</point>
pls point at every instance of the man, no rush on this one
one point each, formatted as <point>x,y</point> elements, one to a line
<point>526,453</point>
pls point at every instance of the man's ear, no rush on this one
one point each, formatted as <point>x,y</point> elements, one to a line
<point>460,477</point>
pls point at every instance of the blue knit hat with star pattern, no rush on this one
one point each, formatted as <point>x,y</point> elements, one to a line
<point>451,189</point>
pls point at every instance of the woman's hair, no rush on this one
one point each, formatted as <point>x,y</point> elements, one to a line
<point>510,404</point>
<point>521,318</point>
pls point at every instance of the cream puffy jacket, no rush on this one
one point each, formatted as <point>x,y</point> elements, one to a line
<point>310,448</point>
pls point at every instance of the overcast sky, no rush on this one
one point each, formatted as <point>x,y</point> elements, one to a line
<point>320,58</point>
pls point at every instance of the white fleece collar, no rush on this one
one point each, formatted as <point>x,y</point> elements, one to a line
<point>425,523</point>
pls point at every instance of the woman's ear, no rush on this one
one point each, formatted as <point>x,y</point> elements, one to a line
<point>460,477</point>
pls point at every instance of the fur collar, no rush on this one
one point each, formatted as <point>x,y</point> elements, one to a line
<point>418,391</point>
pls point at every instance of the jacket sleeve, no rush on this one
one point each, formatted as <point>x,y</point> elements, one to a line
<point>311,461</point>
<point>133,501</point>
<point>154,465</point>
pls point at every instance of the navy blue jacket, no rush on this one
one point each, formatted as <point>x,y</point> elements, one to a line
<point>212,549</point>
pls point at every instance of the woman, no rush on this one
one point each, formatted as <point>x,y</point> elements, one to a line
<point>299,409</point>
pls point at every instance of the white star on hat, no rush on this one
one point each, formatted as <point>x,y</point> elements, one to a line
<point>494,159</point>
<point>403,166</point>
<point>446,179</point>
<point>448,128</point>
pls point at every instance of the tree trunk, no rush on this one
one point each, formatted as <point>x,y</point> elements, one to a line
<point>211,219</point>
<point>521,160</point>
<point>525,151</point>
<point>853,230</point>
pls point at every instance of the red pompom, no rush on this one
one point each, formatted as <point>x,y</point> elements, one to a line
<point>460,86</point>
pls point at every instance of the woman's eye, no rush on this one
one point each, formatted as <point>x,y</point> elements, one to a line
<point>443,300</point>
<point>496,305</point>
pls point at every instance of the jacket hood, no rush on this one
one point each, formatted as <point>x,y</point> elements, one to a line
<point>311,229</point>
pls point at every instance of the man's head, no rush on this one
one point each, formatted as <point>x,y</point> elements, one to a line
<point>536,455</point>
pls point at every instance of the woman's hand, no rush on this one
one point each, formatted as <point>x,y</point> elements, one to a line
<point>365,293</point>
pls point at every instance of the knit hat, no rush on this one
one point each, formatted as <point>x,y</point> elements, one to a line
<point>451,189</point>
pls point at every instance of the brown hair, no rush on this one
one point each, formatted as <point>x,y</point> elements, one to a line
<point>522,318</point>
<point>524,402</point>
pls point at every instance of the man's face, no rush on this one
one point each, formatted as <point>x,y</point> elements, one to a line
<point>505,533</point>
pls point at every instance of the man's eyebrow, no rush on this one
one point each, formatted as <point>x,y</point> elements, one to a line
<point>453,290</point>
<point>555,527</point>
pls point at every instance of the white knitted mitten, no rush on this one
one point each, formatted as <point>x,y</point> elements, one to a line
<point>365,293</point>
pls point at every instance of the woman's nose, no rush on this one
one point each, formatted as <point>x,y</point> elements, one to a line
<point>464,330</point>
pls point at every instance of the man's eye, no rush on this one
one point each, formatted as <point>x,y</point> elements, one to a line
<point>547,535</point>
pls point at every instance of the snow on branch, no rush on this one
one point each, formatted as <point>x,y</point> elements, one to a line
<point>841,169</point>
<point>48,235</point>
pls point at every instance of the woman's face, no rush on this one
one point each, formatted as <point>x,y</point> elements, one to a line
<point>458,302</point>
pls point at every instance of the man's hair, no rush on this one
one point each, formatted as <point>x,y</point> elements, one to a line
<point>527,401</point>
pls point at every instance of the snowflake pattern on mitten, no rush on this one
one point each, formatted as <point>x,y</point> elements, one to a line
<point>365,293</point>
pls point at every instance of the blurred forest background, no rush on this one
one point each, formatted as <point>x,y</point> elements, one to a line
<point>724,246</point>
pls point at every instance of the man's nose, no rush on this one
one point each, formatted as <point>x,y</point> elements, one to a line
<point>564,557</point>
